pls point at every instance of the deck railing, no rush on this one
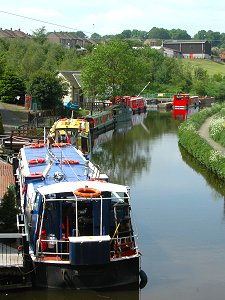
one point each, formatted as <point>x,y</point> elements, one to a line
<point>48,249</point>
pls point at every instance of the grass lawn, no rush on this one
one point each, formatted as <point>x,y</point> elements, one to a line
<point>210,66</point>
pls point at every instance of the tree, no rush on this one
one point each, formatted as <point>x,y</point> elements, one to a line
<point>126,34</point>
<point>9,210</point>
<point>81,34</point>
<point>159,33</point>
<point>96,37</point>
<point>110,70</point>
<point>40,35</point>
<point>11,86</point>
<point>178,34</point>
<point>47,89</point>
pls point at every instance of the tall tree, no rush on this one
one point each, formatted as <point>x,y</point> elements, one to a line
<point>11,86</point>
<point>40,35</point>
<point>159,33</point>
<point>110,70</point>
<point>9,210</point>
<point>47,89</point>
<point>178,34</point>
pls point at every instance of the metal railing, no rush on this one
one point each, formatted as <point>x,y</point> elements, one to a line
<point>48,249</point>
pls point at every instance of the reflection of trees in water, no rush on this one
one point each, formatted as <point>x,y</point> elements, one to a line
<point>211,179</point>
<point>128,152</point>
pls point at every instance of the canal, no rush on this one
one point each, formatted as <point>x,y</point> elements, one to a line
<point>178,207</point>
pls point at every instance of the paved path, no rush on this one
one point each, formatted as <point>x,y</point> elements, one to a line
<point>12,116</point>
<point>204,133</point>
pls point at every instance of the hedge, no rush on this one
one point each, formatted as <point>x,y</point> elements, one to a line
<point>198,147</point>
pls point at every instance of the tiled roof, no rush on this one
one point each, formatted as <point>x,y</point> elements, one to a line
<point>73,77</point>
<point>4,33</point>
<point>6,177</point>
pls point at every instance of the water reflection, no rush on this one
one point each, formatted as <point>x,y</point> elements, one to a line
<point>70,294</point>
<point>212,180</point>
<point>183,114</point>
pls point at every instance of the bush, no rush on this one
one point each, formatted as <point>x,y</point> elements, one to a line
<point>190,139</point>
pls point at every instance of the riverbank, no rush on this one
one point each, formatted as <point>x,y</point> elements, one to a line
<point>194,137</point>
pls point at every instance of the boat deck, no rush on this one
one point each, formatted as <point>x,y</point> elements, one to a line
<point>63,160</point>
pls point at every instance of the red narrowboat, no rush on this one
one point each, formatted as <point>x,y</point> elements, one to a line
<point>181,101</point>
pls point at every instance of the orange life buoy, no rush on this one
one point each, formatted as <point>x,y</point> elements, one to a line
<point>36,161</point>
<point>59,144</point>
<point>35,175</point>
<point>37,145</point>
<point>70,162</point>
<point>87,192</point>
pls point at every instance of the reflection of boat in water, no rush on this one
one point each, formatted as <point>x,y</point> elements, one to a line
<point>183,114</point>
<point>78,225</point>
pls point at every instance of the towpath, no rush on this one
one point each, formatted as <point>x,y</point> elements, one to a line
<point>12,116</point>
<point>204,133</point>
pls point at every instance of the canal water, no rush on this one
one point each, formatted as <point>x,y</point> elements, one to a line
<point>178,208</point>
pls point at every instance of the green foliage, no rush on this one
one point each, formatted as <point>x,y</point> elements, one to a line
<point>159,33</point>
<point>217,128</point>
<point>190,139</point>
<point>47,89</point>
<point>8,211</point>
<point>110,70</point>
<point>11,85</point>
<point>40,35</point>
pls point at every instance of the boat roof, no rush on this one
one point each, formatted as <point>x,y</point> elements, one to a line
<point>72,186</point>
<point>80,124</point>
<point>52,164</point>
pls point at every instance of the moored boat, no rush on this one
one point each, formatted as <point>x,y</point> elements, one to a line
<point>136,103</point>
<point>79,225</point>
<point>101,121</point>
<point>71,131</point>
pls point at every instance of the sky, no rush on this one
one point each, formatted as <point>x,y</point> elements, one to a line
<point>112,16</point>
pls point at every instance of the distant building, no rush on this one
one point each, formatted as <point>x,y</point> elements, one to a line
<point>74,92</point>
<point>9,33</point>
<point>69,40</point>
<point>190,48</point>
<point>152,42</point>
<point>168,52</point>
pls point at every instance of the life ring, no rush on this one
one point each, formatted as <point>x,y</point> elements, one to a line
<point>37,145</point>
<point>36,161</point>
<point>35,175</point>
<point>87,192</point>
<point>59,144</point>
<point>70,162</point>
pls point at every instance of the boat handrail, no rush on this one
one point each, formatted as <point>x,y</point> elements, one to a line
<point>58,245</point>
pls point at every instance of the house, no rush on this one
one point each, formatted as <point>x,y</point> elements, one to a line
<point>152,42</point>
<point>74,92</point>
<point>68,39</point>
<point>190,48</point>
<point>167,51</point>
<point>9,33</point>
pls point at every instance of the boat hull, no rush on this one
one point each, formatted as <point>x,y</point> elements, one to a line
<point>117,274</point>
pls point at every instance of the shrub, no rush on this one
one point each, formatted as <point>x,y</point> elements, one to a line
<point>190,139</point>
